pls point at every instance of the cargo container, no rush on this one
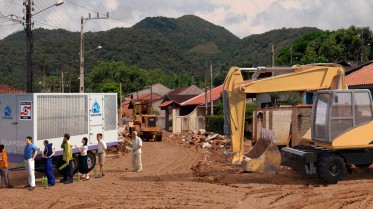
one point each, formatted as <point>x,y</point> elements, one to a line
<point>48,116</point>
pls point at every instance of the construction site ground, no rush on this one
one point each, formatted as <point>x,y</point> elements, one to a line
<point>179,175</point>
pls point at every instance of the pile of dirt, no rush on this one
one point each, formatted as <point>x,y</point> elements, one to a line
<point>203,139</point>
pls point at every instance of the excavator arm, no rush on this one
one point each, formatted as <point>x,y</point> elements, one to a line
<point>296,78</point>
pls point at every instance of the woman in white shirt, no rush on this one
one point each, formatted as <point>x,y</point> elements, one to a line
<point>83,164</point>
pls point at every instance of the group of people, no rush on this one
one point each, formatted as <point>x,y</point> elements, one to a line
<point>30,153</point>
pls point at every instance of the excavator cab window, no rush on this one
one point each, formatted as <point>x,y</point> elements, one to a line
<point>321,116</point>
<point>363,108</point>
<point>341,115</point>
<point>338,111</point>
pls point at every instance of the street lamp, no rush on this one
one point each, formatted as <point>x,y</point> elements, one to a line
<point>29,73</point>
<point>81,74</point>
<point>98,47</point>
<point>58,3</point>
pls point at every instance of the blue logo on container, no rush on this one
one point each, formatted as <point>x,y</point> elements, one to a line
<point>7,113</point>
<point>95,109</point>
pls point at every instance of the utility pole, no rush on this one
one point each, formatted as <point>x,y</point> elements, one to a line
<point>206,92</point>
<point>273,55</point>
<point>62,82</point>
<point>291,55</point>
<point>151,98</point>
<point>81,69</point>
<point>211,101</point>
<point>121,106</point>
<point>29,46</point>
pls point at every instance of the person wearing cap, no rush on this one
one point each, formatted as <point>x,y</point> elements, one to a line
<point>47,155</point>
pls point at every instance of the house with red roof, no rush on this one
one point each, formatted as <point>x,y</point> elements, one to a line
<point>191,114</point>
<point>174,98</point>
<point>179,95</point>
<point>200,99</point>
<point>5,89</point>
<point>361,77</point>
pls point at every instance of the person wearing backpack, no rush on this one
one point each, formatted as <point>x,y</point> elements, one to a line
<point>47,155</point>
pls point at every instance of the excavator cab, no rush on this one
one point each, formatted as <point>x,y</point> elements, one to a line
<point>341,134</point>
<point>339,111</point>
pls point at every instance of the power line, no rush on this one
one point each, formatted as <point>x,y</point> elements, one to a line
<point>84,7</point>
<point>46,24</point>
<point>9,18</point>
<point>53,16</point>
<point>45,21</point>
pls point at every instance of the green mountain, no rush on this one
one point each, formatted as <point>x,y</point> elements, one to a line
<point>256,49</point>
<point>184,44</point>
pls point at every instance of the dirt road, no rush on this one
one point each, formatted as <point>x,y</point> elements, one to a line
<point>184,176</point>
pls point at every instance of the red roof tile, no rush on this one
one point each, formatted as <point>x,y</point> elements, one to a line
<point>152,96</point>
<point>200,99</point>
<point>363,76</point>
<point>166,103</point>
<point>5,89</point>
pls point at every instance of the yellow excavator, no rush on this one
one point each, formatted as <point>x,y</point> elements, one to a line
<point>341,128</point>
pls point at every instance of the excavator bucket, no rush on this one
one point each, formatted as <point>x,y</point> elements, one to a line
<point>264,157</point>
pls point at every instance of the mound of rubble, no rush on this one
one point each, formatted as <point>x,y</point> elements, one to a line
<point>204,139</point>
<point>124,141</point>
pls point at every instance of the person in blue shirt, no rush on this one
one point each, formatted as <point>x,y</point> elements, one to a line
<point>29,157</point>
<point>47,155</point>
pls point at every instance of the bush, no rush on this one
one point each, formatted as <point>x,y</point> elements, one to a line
<point>250,107</point>
<point>215,123</point>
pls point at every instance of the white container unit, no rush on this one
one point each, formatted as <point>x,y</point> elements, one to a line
<point>48,116</point>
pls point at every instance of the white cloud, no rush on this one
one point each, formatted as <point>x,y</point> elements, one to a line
<point>111,4</point>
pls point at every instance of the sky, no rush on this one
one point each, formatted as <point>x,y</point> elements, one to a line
<point>241,17</point>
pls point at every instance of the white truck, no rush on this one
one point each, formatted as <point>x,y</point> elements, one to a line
<point>48,116</point>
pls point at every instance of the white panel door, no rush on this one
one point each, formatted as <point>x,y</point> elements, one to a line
<point>96,116</point>
<point>8,123</point>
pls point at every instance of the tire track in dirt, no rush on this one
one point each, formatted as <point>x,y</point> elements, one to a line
<point>169,181</point>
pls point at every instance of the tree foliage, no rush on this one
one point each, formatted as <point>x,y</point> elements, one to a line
<point>107,76</point>
<point>344,45</point>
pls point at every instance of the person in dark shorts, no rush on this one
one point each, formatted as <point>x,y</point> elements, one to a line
<point>47,155</point>
<point>83,160</point>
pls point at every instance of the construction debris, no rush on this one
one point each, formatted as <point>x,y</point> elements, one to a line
<point>124,140</point>
<point>206,145</point>
<point>212,137</point>
<point>202,131</point>
<point>205,139</point>
<point>199,138</point>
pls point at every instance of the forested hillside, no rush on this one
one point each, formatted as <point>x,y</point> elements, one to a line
<point>166,50</point>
